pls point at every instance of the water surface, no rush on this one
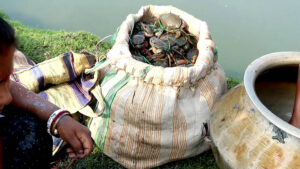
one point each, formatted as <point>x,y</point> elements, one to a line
<point>243,30</point>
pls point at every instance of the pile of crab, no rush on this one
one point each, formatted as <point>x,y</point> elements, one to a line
<point>163,42</point>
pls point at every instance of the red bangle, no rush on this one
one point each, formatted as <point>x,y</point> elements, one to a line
<point>55,118</point>
<point>55,132</point>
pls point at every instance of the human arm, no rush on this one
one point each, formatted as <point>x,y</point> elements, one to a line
<point>74,133</point>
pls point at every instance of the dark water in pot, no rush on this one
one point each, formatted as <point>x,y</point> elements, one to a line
<point>276,89</point>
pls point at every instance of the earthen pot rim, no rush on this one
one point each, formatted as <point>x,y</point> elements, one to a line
<point>256,68</point>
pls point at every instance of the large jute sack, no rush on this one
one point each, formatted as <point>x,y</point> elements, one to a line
<point>155,115</point>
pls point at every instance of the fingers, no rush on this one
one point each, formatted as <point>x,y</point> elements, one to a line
<point>74,155</point>
<point>77,135</point>
<point>86,141</point>
<point>76,146</point>
<point>81,143</point>
<point>71,153</point>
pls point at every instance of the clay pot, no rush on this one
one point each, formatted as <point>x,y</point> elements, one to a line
<point>249,127</point>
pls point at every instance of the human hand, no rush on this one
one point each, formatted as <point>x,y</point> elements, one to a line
<point>77,135</point>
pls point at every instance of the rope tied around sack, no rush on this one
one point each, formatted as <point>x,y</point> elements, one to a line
<point>114,36</point>
<point>145,71</point>
<point>216,53</point>
<point>130,39</point>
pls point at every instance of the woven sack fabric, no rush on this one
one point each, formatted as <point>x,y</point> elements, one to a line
<point>155,115</point>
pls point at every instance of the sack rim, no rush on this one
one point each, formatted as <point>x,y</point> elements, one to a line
<point>164,75</point>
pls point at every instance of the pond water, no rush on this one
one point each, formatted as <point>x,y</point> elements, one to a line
<point>242,30</point>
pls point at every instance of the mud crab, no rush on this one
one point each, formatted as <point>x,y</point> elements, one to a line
<point>172,23</point>
<point>148,29</point>
<point>158,46</point>
<point>138,40</point>
<point>163,42</point>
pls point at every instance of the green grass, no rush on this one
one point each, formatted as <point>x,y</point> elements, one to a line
<point>40,45</point>
<point>231,82</point>
<point>101,161</point>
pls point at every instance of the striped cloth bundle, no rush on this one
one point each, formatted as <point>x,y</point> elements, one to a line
<point>62,81</point>
<point>155,115</point>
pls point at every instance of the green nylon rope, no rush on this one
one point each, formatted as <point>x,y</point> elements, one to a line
<point>145,59</point>
<point>96,66</point>
<point>216,53</point>
<point>145,71</point>
<point>113,38</point>
<point>161,26</point>
<point>130,40</point>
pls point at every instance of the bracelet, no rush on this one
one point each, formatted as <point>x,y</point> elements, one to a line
<point>54,119</point>
<point>53,128</point>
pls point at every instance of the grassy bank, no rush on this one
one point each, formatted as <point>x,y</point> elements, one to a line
<point>40,45</point>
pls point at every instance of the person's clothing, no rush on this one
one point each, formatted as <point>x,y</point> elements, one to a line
<point>62,81</point>
<point>25,141</point>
